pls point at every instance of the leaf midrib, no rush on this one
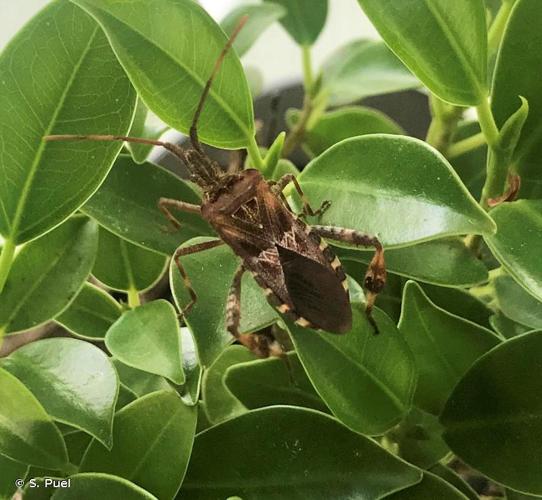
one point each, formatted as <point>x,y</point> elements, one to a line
<point>39,153</point>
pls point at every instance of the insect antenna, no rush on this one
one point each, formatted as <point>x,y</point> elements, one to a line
<point>194,127</point>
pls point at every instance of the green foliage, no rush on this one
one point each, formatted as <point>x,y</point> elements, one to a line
<point>150,400</point>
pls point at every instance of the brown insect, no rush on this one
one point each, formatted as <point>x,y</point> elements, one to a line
<point>289,259</point>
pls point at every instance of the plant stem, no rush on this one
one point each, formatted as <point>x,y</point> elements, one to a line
<point>497,27</point>
<point>308,79</point>
<point>487,123</point>
<point>254,154</point>
<point>443,125</point>
<point>133,298</point>
<point>6,259</point>
<point>464,146</point>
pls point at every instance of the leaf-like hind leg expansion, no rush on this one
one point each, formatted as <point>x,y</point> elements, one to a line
<point>375,277</point>
<point>183,252</point>
<point>261,344</point>
<point>307,209</point>
<point>165,204</point>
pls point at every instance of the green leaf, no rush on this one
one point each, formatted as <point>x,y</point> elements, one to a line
<point>124,266</point>
<point>474,416</point>
<point>139,382</point>
<point>74,381</point>
<point>444,346</point>
<point>514,77</point>
<point>274,153</point>
<point>211,274</point>
<point>272,381</point>
<point>519,234</point>
<point>517,304</point>
<point>506,327</point>
<point>418,439</point>
<point>363,68</point>
<point>430,488</point>
<point>91,314</point>
<point>304,19</point>
<point>11,471</point>
<point>277,453</point>
<point>452,478</point>
<point>373,178</point>
<point>334,126</point>
<point>260,17</point>
<point>148,338</point>
<point>169,71</point>
<point>459,302</point>
<point>127,205</point>
<point>220,403</point>
<point>442,262</point>
<point>284,167</point>
<point>515,495</point>
<point>443,44</point>
<point>153,439</point>
<point>77,442</point>
<point>47,275</point>
<point>146,125</point>
<point>103,486</point>
<point>59,76</point>
<point>27,433</point>
<point>366,380</point>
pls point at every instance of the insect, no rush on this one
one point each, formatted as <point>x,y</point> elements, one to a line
<point>289,259</point>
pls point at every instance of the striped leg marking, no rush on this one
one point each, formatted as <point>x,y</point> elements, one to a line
<point>307,209</point>
<point>183,252</point>
<point>375,277</point>
<point>165,204</point>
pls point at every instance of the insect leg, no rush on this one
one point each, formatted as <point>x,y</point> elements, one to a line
<point>261,345</point>
<point>375,277</point>
<point>164,204</point>
<point>183,252</point>
<point>307,209</point>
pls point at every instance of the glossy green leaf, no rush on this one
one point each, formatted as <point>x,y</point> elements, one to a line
<point>91,313</point>
<point>474,416</point>
<point>372,179</point>
<point>418,439</point>
<point>272,381</point>
<point>47,275</point>
<point>452,478</point>
<point>74,381</point>
<point>123,266</point>
<point>444,44</point>
<point>27,433</point>
<point>515,495</point>
<point>77,442</point>
<point>103,486</point>
<point>366,380</point>
<point>220,403</point>
<point>442,262</point>
<point>71,83</point>
<point>430,487</point>
<point>284,167</point>
<point>169,71</point>
<point>211,273</point>
<point>517,304</point>
<point>515,76</point>
<point>260,17</point>
<point>127,205</point>
<point>444,346</point>
<point>459,302</point>
<point>363,68</point>
<point>518,238</point>
<point>148,338</point>
<point>153,438</point>
<point>11,471</point>
<point>506,327</point>
<point>334,126</point>
<point>139,382</point>
<point>147,125</point>
<point>304,19</point>
<point>288,442</point>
